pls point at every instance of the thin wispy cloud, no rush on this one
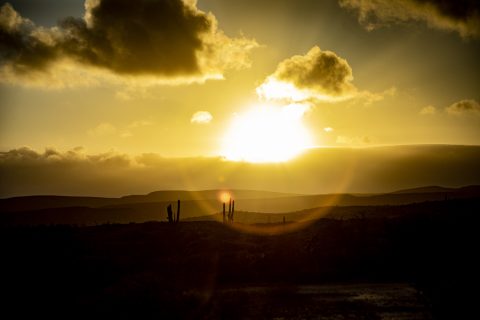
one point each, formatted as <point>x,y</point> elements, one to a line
<point>428,110</point>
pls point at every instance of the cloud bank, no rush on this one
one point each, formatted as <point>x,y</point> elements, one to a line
<point>160,40</point>
<point>25,171</point>
<point>462,16</point>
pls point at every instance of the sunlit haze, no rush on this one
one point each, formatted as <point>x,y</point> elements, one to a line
<point>173,86</point>
<point>239,159</point>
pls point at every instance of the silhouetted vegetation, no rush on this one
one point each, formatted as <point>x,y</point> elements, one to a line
<point>231,211</point>
<point>130,271</point>
<point>171,216</point>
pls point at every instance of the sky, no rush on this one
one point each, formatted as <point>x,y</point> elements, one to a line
<point>254,81</point>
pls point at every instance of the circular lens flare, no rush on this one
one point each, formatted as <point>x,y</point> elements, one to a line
<point>224,196</point>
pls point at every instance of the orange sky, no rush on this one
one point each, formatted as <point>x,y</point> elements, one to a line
<point>242,80</point>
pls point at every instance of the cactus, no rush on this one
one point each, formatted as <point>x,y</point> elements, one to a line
<point>178,211</point>
<point>171,216</point>
<point>170,213</point>
<point>224,212</point>
<point>231,210</point>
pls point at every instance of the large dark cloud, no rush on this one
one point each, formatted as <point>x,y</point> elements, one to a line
<point>25,171</point>
<point>461,16</point>
<point>160,38</point>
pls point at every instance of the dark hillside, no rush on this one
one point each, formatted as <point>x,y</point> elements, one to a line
<point>189,270</point>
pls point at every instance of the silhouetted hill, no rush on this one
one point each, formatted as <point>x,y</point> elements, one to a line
<point>51,201</point>
<point>172,195</point>
<point>28,203</point>
<point>410,266</point>
<point>263,207</point>
<point>251,206</point>
<point>435,189</point>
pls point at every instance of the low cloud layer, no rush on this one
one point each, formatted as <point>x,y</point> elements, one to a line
<point>381,169</point>
<point>464,107</point>
<point>169,40</point>
<point>318,74</point>
<point>462,16</point>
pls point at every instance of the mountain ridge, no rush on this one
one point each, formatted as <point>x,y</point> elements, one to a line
<point>252,200</point>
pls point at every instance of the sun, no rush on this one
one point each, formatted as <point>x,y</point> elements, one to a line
<point>267,134</point>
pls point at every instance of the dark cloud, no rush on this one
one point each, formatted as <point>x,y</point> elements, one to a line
<point>381,169</point>
<point>462,16</point>
<point>153,37</point>
<point>464,106</point>
<point>160,38</point>
<point>21,44</point>
<point>318,74</point>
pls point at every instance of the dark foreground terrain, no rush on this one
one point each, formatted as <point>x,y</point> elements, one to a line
<point>416,264</point>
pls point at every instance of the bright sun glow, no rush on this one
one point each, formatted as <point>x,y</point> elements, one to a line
<point>267,134</point>
<point>274,89</point>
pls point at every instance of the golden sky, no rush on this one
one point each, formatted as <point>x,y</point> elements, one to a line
<point>246,80</point>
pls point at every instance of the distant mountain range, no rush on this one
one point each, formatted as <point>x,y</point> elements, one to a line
<point>52,201</point>
<point>251,206</point>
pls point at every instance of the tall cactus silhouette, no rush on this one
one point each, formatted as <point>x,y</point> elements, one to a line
<point>171,215</point>
<point>231,210</point>
<point>224,212</point>
<point>178,211</point>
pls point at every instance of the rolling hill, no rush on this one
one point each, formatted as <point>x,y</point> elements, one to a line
<point>251,206</point>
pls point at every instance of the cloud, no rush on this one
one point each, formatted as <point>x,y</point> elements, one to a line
<point>462,16</point>
<point>126,134</point>
<point>201,117</point>
<point>324,170</point>
<point>108,129</point>
<point>27,156</point>
<point>139,124</point>
<point>103,129</point>
<point>328,129</point>
<point>353,141</point>
<point>162,41</point>
<point>367,98</point>
<point>131,92</point>
<point>463,107</point>
<point>318,74</point>
<point>428,110</point>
